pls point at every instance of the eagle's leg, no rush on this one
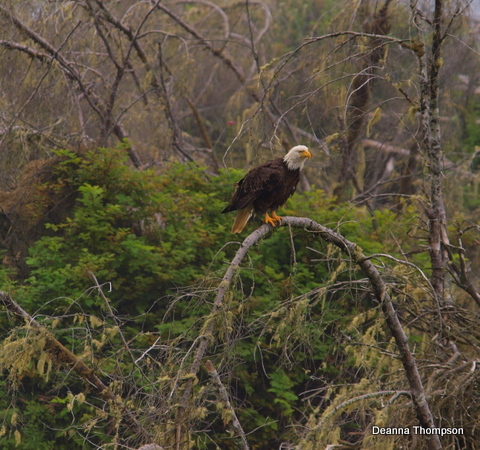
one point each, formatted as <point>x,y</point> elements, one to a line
<point>272,220</point>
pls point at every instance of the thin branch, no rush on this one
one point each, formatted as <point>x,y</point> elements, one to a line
<point>222,390</point>
<point>177,141</point>
<point>23,48</point>
<point>460,273</point>
<point>220,53</point>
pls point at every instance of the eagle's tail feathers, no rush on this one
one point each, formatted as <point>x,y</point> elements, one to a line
<point>242,218</point>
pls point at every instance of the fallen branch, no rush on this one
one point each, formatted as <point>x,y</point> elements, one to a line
<point>63,356</point>
<point>354,252</point>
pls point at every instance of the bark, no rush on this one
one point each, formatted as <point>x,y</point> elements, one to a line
<point>150,447</point>
<point>429,69</point>
<point>437,215</point>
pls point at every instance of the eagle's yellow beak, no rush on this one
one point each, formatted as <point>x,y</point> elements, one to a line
<point>306,154</point>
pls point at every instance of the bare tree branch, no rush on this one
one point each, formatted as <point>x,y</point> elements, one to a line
<point>23,48</point>
<point>353,252</point>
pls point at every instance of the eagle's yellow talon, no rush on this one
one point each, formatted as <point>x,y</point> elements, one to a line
<point>273,219</point>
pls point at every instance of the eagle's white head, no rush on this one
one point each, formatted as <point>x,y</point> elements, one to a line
<point>296,157</point>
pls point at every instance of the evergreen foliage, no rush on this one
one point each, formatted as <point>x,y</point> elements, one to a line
<point>157,246</point>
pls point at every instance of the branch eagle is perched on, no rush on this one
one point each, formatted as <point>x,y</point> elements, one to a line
<point>267,187</point>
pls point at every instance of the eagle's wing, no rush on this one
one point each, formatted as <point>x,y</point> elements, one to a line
<point>259,182</point>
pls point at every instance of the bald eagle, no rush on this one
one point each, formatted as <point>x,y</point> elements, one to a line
<point>267,187</point>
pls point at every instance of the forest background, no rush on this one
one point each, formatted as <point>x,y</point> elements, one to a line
<point>132,317</point>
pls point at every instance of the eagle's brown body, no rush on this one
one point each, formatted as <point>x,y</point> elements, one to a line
<point>266,188</point>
